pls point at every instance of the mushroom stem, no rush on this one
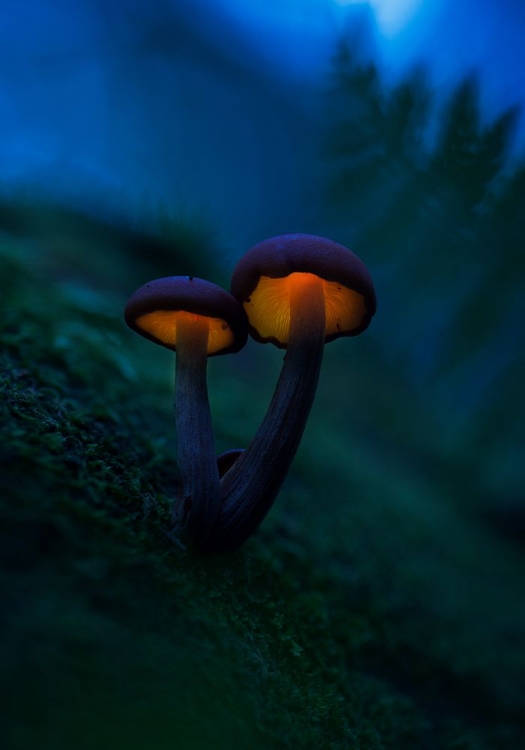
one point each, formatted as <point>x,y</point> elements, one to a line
<point>199,500</point>
<point>250,487</point>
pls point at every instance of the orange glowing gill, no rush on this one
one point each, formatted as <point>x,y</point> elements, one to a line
<point>164,325</point>
<point>268,307</point>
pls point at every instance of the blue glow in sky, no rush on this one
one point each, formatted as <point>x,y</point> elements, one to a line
<point>452,38</point>
<point>392,15</point>
<point>120,95</point>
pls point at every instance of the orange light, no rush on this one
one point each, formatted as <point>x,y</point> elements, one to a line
<point>268,307</point>
<point>163,325</point>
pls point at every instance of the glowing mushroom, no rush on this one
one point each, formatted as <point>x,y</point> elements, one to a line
<point>197,319</point>
<point>299,291</point>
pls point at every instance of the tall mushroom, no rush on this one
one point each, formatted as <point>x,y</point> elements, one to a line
<point>197,319</point>
<point>299,291</point>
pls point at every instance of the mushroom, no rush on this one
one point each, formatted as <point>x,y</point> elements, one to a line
<point>299,291</point>
<point>197,320</point>
<point>226,460</point>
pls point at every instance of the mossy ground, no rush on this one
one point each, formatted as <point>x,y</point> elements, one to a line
<point>373,609</point>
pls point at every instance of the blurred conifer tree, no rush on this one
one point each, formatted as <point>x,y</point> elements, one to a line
<point>444,226</point>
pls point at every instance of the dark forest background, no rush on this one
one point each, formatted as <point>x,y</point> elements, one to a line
<point>381,603</point>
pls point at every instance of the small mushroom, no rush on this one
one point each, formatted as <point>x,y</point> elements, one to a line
<point>226,460</point>
<point>299,291</point>
<point>197,319</point>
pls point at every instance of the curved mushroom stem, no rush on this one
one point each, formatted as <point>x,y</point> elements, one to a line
<point>250,487</point>
<point>199,500</point>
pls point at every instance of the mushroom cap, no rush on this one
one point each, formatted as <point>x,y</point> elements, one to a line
<point>226,460</point>
<point>156,308</point>
<point>259,283</point>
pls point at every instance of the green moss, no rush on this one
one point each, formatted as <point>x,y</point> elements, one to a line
<point>369,612</point>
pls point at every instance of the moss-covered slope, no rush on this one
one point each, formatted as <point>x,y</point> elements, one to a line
<point>370,612</point>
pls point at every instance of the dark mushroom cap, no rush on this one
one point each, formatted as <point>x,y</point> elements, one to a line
<point>226,460</point>
<point>262,278</point>
<point>153,311</point>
